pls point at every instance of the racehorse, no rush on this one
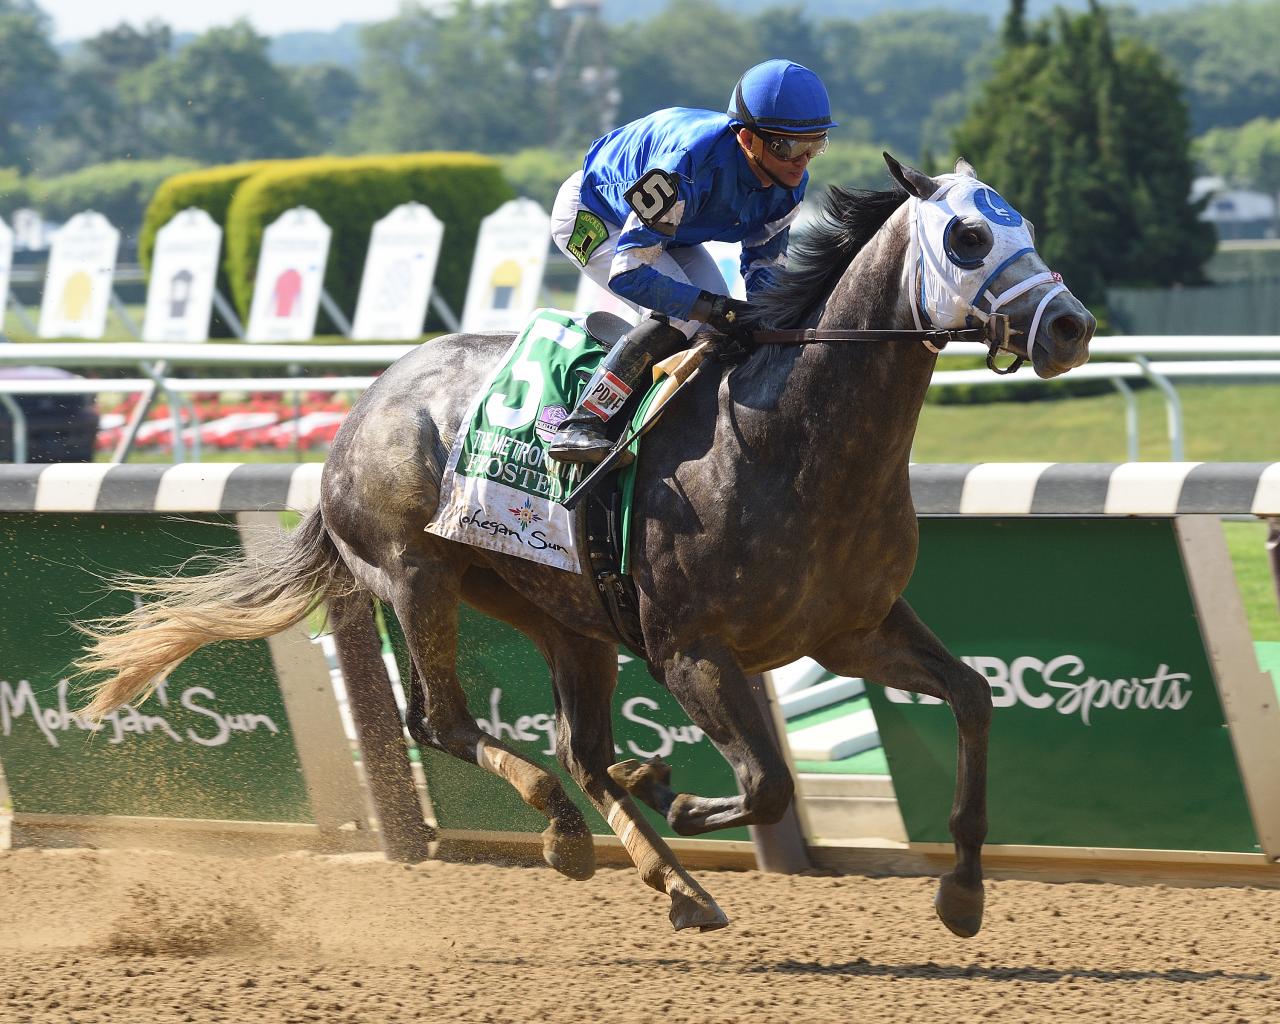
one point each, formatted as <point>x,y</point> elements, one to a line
<point>777,523</point>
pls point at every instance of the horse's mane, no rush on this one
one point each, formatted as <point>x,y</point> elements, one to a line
<point>817,259</point>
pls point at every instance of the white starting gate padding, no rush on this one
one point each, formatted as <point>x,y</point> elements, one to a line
<point>399,269</point>
<point>506,272</point>
<point>29,230</point>
<point>286,293</point>
<point>184,273</point>
<point>77,286</point>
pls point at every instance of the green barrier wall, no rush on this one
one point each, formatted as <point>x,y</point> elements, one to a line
<point>508,688</point>
<point>214,743</point>
<point>1108,729</point>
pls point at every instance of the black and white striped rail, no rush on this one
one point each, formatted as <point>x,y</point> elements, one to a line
<point>982,489</point>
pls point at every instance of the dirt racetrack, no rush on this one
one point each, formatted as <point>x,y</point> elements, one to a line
<point>95,936</point>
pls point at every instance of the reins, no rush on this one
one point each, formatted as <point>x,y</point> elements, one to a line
<point>947,297</point>
<point>996,334</point>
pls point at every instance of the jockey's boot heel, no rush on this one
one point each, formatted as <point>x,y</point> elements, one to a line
<point>581,436</point>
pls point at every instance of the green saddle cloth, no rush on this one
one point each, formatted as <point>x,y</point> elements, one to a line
<point>499,490</point>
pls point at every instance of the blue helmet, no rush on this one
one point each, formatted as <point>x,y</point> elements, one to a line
<point>781,96</point>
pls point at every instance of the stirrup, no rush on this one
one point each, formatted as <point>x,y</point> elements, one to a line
<point>578,443</point>
<point>581,445</point>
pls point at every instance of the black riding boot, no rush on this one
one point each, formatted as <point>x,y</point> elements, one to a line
<point>581,437</point>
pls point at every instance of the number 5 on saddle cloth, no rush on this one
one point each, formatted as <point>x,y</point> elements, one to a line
<point>500,490</point>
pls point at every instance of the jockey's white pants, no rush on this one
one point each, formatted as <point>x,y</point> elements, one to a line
<point>688,264</point>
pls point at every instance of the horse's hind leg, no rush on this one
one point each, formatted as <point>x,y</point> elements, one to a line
<point>712,689</point>
<point>902,652</point>
<point>425,600</point>
<point>585,672</point>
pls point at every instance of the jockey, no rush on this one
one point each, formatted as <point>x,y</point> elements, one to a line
<point>651,192</point>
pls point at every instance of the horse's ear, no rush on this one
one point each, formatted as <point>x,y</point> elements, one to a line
<point>964,167</point>
<point>917,183</point>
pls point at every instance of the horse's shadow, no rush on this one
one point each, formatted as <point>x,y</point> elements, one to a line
<point>930,971</point>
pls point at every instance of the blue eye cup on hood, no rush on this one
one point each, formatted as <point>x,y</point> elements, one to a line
<point>964,264</point>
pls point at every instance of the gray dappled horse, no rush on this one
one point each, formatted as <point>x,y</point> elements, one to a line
<point>776,523</point>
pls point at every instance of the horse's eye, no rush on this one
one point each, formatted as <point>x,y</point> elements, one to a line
<point>967,245</point>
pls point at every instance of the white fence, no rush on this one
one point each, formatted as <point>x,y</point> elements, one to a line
<point>1160,360</point>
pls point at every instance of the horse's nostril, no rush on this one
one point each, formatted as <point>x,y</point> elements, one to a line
<point>1068,329</point>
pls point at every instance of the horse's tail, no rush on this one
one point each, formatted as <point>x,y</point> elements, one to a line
<point>274,585</point>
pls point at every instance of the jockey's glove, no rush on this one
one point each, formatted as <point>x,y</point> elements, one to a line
<point>726,315</point>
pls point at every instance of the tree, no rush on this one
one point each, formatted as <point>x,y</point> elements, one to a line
<point>906,66</point>
<point>539,173</point>
<point>28,71</point>
<point>101,120</point>
<point>1225,54</point>
<point>480,76</point>
<point>849,165</point>
<point>1089,138</point>
<point>1248,156</point>
<point>221,100</point>
<point>331,93</point>
<point>690,55</point>
<point>1013,33</point>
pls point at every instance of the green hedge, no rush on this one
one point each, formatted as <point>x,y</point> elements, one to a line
<point>350,194</point>
<point>211,190</point>
<point>120,191</point>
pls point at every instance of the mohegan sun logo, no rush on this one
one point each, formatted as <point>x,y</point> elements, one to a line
<point>525,515</point>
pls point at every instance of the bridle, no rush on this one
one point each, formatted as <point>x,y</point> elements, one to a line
<point>985,323</point>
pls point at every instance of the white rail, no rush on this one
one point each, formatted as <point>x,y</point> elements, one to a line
<point>1207,357</point>
<point>97,353</point>
<point>129,353</point>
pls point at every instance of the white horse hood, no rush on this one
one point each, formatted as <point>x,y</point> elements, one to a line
<point>949,290</point>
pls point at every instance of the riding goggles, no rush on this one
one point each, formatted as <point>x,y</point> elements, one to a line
<point>794,147</point>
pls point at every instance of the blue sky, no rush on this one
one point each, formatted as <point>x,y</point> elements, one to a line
<point>76,19</point>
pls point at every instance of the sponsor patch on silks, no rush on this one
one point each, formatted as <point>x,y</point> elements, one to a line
<point>608,396</point>
<point>499,490</point>
<point>549,421</point>
<point>588,232</point>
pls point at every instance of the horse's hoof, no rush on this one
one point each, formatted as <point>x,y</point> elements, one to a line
<point>959,907</point>
<point>683,818</point>
<point>572,854</point>
<point>696,912</point>
<point>622,772</point>
<point>648,781</point>
<point>632,773</point>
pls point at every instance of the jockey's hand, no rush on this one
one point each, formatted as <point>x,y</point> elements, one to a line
<point>726,315</point>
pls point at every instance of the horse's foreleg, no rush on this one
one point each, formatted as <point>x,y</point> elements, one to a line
<point>902,652</point>
<point>715,693</point>
<point>585,673</point>
<point>426,604</point>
